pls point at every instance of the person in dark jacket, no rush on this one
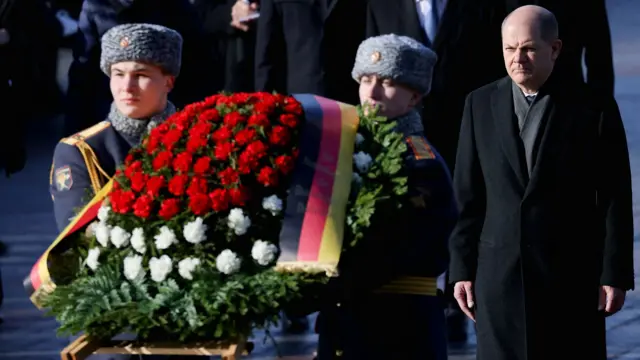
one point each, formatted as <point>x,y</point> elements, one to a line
<point>384,303</point>
<point>307,47</point>
<point>88,96</point>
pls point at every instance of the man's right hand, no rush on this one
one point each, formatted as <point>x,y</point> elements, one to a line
<point>463,293</point>
<point>240,10</point>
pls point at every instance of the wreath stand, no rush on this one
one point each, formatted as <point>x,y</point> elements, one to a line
<point>84,346</point>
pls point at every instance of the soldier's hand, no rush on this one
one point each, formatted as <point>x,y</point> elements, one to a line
<point>241,9</point>
<point>463,293</point>
<point>611,299</point>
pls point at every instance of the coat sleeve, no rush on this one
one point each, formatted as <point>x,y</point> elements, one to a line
<point>468,184</point>
<point>69,184</point>
<point>598,52</point>
<point>269,49</point>
<point>615,201</point>
<point>215,16</point>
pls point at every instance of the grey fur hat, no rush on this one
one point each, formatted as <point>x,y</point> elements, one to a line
<point>149,43</point>
<point>399,58</point>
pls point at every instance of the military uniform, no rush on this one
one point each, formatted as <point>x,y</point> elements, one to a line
<point>385,304</point>
<point>84,162</point>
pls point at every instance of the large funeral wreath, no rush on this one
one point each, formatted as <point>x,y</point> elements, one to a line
<point>186,242</point>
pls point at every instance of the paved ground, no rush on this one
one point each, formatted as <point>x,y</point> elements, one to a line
<point>27,226</point>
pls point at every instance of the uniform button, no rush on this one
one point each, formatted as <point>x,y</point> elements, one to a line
<point>338,304</point>
<point>338,352</point>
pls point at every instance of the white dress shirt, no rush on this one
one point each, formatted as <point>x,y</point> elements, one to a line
<point>424,8</point>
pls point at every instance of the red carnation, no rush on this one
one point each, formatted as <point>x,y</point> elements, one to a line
<point>265,106</point>
<point>209,115</point>
<point>222,134</point>
<point>259,120</point>
<point>154,185</point>
<point>169,208</point>
<point>142,206</point>
<point>239,196</point>
<point>129,159</point>
<point>268,176</point>
<point>198,185</point>
<point>202,165</point>
<point>284,163</point>
<point>245,136</point>
<point>257,149</point>
<point>219,199</point>
<point>133,168</point>
<point>138,181</point>
<point>232,119</point>
<point>292,106</point>
<point>121,201</point>
<point>182,162</point>
<point>223,150</point>
<point>279,136</point>
<point>177,184</point>
<point>171,138</point>
<point>162,160</point>
<point>289,120</point>
<point>199,204</point>
<point>228,176</point>
<point>196,143</point>
<point>247,162</point>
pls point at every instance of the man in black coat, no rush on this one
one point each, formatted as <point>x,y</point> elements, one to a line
<point>306,46</point>
<point>544,239</point>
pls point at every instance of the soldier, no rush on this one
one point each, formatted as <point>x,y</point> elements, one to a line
<point>142,62</point>
<point>384,303</point>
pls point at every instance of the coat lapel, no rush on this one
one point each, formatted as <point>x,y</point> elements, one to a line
<point>507,128</point>
<point>558,123</point>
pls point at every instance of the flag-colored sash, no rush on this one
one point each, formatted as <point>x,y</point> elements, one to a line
<point>315,214</point>
<point>39,280</point>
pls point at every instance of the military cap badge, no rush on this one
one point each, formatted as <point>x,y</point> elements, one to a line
<point>375,57</point>
<point>124,42</point>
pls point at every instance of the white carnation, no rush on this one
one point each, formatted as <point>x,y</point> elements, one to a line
<point>238,222</point>
<point>102,233</point>
<point>92,258</point>
<point>187,266</point>
<point>194,232</point>
<point>359,139</point>
<point>103,213</point>
<point>133,267</point>
<point>356,178</point>
<point>119,237</point>
<point>138,241</point>
<point>362,161</point>
<point>165,238</point>
<point>273,204</point>
<point>264,252</point>
<point>228,262</point>
<point>160,268</point>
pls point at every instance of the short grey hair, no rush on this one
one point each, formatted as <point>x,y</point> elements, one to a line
<point>546,22</point>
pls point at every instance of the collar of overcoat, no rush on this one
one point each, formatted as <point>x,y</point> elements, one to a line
<point>556,122</point>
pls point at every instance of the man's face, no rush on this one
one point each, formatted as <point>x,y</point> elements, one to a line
<point>392,99</point>
<point>139,90</point>
<point>528,58</point>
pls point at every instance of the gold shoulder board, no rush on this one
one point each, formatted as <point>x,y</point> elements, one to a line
<point>421,149</point>
<point>86,133</point>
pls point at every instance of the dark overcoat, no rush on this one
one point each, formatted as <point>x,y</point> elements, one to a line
<point>538,248</point>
